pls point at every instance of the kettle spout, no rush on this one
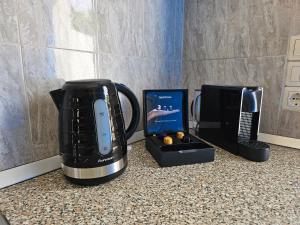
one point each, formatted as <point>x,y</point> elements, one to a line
<point>57,97</point>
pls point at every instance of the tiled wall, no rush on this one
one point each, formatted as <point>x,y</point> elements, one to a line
<point>140,44</point>
<point>243,42</point>
<point>43,42</point>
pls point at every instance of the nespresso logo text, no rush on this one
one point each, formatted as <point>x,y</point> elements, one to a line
<point>163,97</point>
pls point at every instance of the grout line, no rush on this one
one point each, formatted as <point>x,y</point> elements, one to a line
<point>9,44</point>
<point>182,42</point>
<point>281,99</point>
<point>175,21</point>
<point>161,58</point>
<point>175,27</point>
<point>183,52</point>
<point>143,31</point>
<point>250,57</point>
<point>96,41</point>
<point>129,28</point>
<point>69,49</point>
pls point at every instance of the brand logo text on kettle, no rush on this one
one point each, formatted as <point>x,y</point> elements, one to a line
<point>105,160</point>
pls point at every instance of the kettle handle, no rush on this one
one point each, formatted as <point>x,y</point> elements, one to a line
<point>192,108</point>
<point>135,119</point>
<point>57,97</point>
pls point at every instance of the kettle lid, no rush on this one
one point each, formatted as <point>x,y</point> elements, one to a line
<point>88,83</point>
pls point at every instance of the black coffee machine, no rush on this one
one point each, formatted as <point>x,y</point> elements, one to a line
<point>92,135</point>
<point>230,117</point>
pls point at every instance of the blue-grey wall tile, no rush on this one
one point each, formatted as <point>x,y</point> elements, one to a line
<point>63,24</point>
<point>243,72</point>
<point>215,72</point>
<point>184,79</point>
<point>120,25</point>
<point>137,73</point>
<point>40,78</point>
<point>152,73</point>
<point>46,69</point>
<point>113,26</point>
<point>255,8</point>
<point>255,72</point>
<point>177,73</point>
<point>73,65</point>
<point>289,124</point>
<point>237,29</point>
<point>197,73</point>
<point>236,71</point>
<point>113,67</point>
<point>295,30</point>
<point>258,41</point>
<point>15,146</point>
<point>194,45</point>
<point>8,22</point>
<point>35,21</point>
<point>205,29</point>
<point>215,27</point>
<point>273,70</point>
<point>135,30</point>
<point>295,26</point>
<point>269,32</point>
<point>159,28</point>
<point>179,29</point>
<point>166,77</point>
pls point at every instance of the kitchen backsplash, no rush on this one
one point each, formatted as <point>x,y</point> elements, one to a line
<point>243,42</point>
<point>138,43</point>
<point>43,43</point>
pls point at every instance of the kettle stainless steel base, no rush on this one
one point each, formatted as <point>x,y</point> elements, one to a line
<point>96,175</point>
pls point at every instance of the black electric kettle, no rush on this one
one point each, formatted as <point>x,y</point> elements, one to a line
<point>92,135</point>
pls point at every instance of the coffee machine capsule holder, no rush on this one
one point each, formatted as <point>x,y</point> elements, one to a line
<point>230,118</point>
<point>167,136</point>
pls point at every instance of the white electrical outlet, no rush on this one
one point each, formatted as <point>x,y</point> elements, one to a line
<point>291,99</point>
<point>294,99</point>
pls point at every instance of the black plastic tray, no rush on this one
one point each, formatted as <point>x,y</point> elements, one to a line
<point>181,153</point>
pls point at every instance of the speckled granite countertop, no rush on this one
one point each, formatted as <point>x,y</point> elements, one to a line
<point>230,190</point>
